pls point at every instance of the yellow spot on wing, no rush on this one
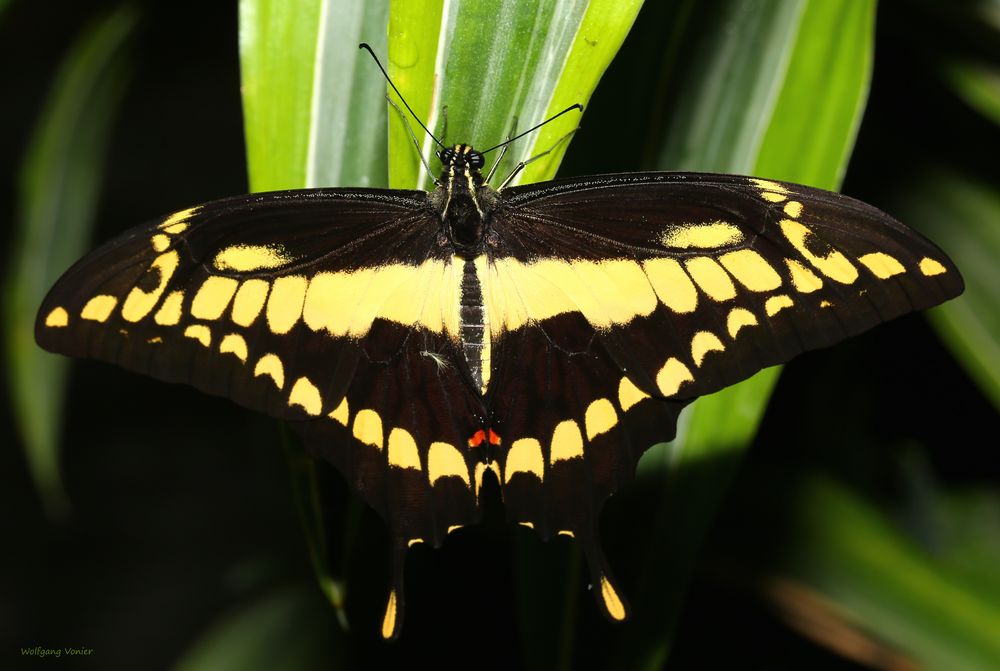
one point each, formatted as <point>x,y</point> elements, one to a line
<point>270,365</point>
<point>284,305</point>
<point>777,303</point>
<point>389,619</point>
<point>234,344</point>
<point>930,267</point>
<point>737,319</point>
<point>443,460</point>
<point>342,412</point>
<point>213,297</point>
<point>160,242</point>
<point>600,417</point>
<point>199,332</point>
<point>480,471</point>
<point>751,270</point>
<point>249,301</point>
<point>793,209</point>
<point>414,541</point>
<point>305,394</point>
<point>99,308</point>
<point>882,265</point>
<point>629,394</point>
<point>527,524</point>
<point>671,376</point>
<point>605,292</point>
<point>567,442</point>
<point>833,264</point>
<point>612,602</point>
<point>170,312</point>
<point>803,279</point>
<point>346,303</point>
<point>403,450</point>
<point>702,343</point>
<point>249,258</point>
<point>57,318</point>
<point>767,185</point>
<point>772,197</point>
<point>566,532</point>
<point>139,303</point>
<point>525,456</point>
<point>712,279</point>
<point>368,428</point>
<point>708,235</point>
<point>672,284</point>
<point>173,225</point>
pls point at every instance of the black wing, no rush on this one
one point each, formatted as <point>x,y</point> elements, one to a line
<point>334,309</point>
<point>615,300</point>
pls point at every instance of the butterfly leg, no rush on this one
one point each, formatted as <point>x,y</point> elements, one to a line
<point>521,166</point>
<point>416,142</point>
<point>503,151</point>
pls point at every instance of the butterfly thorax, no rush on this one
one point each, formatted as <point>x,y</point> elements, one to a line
<point>464,200</point>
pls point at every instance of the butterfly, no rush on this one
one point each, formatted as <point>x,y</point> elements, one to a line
<point>541,336</point>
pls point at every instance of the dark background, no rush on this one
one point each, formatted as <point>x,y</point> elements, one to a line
<point>182,503</point>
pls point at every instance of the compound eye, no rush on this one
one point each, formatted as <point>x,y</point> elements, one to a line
<point>475,160</point>
<point>447,156</point>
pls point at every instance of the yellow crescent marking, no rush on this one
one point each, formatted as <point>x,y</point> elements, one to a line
<point>454,527</point>
<point>284,305</point>
<point>527,524</point>
<point>403,449</point>
<point>389,619</point>
<point>777,303</point>
<point>270,365</point>
<point>342,412</point>
<point>711,277</point>
<point>57,318</point>
<point>305,394</point>
<point>567,532</point>
<point>751,269</point>
<point>481,469</point>
<point>249,301</point>
<point>673,286</point>
<point>930,267</point>
<point>612,602</point>
<point>525,456</point>
<point>600,417</point>
<point>250,258</point>
<point>709,235</point>
<point>213,297</point>
<point>882,265</point>
<point>443,460</point>
<point>834,264</point>
<point>629,394</point>
<point>414,541</point>
<point>234,343</point>
<point>199,332</point>
<point>140,303</point>
<point>368,428</point>
<point>803,279</point>
<point>99,308</point>
<point>737,319</point>
<point>567,442</point>
<point>702,343</point>
<point>671,376</point>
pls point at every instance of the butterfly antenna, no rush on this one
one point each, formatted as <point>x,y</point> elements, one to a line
<point>576,106</point>
<point>385,74</point>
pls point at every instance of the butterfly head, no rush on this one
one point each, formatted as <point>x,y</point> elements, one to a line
<point>461,156</point>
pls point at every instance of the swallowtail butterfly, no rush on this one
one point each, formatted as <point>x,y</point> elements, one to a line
<point>543,335</point>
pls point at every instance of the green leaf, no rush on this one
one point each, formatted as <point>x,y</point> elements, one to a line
<point>978,84</point>
<point>287,629</point>
<point>962,215</point>
<point>780,97</point>
<point>312,106</point>
<point>887,585</point>
<point>58,190</point>
<point>492,61</point>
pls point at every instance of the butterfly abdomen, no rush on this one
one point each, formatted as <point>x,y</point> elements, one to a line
<point>474,326</point>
